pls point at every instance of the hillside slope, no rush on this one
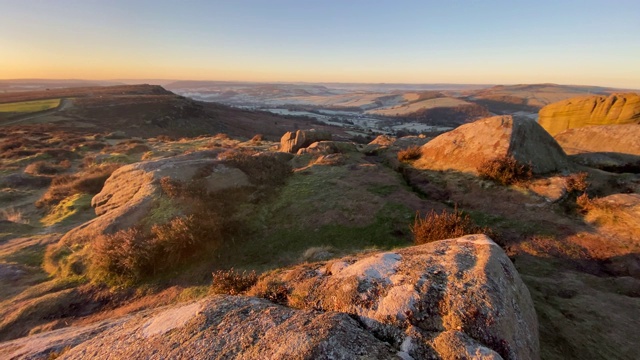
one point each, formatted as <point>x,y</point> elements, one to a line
<point>146,111</point>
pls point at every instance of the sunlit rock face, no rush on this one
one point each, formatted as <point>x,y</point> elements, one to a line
<point>615,109</point>
<point>468,146</point>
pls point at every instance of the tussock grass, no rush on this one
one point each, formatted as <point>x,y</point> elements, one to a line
<point>577,182</point>
<point>446,225</point>
<point>505,170</point>
<point>232,282</point>
<point>14,215</point>
<point>87,181</point>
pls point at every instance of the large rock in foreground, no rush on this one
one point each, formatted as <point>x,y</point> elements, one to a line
<point>133,192</point>
<point>453,299</point>
<point>469,145</point>
<point>222,327</point>
<point>589,111</point>
<point>291,142</point>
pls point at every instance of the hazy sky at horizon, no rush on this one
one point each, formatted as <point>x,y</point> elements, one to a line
<point>453,41</point>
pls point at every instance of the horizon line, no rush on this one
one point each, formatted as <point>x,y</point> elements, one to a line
<point>311,82</point>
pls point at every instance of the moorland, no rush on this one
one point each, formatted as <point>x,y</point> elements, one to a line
<point>122,199</point>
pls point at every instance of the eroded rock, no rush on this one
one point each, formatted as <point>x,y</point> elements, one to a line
<point>292,142</point>
<point>623,108</point>
<point>465,289</point>
<point>451,299</point>
<point>221,327</point>
<point>468,146</point>
<point>623,139</point>
<point>133,191</point>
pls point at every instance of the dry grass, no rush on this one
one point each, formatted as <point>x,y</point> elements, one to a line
<point>274,291</point>
<point>446,225</point>
<point>505,170</point>
<point>13,215</point>
<point>232,282</point>
<point>88,181</point>
<point>584,202</point>
<point>602,212</point>
<point>127,254</point>
<point>137,254</point>
<point>47,168</point>
<point>410,153</point>
<point>257,139</point>
<point>577,182</point>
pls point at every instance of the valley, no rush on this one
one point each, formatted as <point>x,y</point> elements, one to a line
<point>386,108</point>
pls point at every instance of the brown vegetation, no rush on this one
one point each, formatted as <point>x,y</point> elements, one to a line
<point>89,181</point>
<point>505,170</point>
<point>47,168</point>
<point>410,153</point>
<point>577,182</point>
<point>232,282</point>
<point>446,225</point>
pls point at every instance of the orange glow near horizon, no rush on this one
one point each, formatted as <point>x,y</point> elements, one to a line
<point>447,42</point>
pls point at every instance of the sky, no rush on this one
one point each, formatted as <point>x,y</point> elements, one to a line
<point>446,41</point>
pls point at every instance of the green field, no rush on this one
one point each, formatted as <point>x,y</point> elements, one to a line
<point>29,106</point>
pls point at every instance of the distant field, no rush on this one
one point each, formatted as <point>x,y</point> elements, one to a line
<point>404,109</point>
<point>29,106</point>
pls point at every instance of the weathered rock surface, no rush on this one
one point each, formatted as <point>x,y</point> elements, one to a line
<point>388,142</point>
<point>221,327</point>
<point>469,145</point>
<point>623,108</point>
<point>624,139</point>
<point>292,142</point>
<point>134,190</point>
<point>328,147</point>
<point>609,161</point>
<point>451,299</point>
<point>459,298</point>
<point>607,147</point>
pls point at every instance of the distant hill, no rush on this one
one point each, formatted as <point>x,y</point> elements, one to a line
<point>149,110</point>
<point>529,97</point>
<point>14,85</point>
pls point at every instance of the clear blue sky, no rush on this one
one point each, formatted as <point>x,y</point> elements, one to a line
<point>452,41</point>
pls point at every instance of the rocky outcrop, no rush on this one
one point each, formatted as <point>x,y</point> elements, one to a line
<point>615,109</point>
<point>608,147</point>
<point>452,299</point>
<point>328,147</point>
<point>133,191</point>
<point>221,327</point>
<point>469,145</point>
<point>623,139</point>
<point>383,142</point>
<point>292,142</point>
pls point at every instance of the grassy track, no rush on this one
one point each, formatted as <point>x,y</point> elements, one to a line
<point>29,106</point>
